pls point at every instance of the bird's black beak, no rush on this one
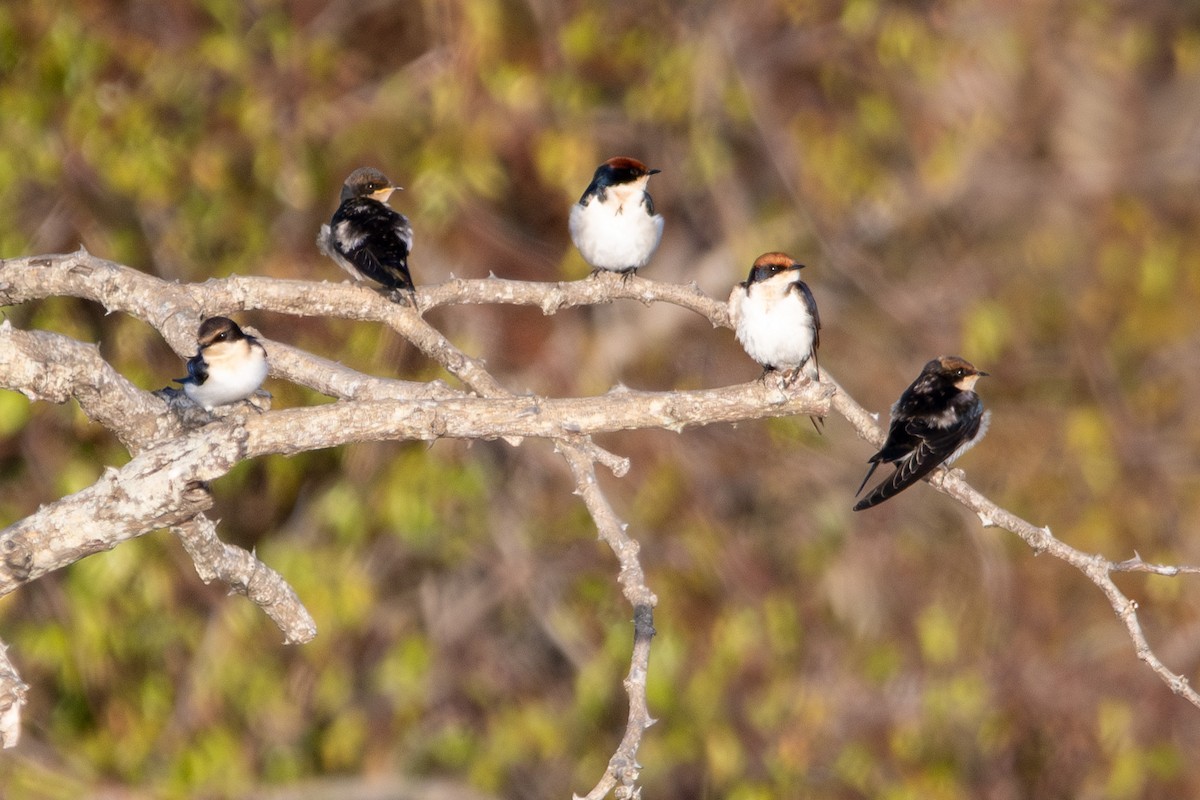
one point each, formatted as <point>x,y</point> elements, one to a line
<point>654,172</point>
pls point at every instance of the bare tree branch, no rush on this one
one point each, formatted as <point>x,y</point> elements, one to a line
<point>165,484</point>
<point>160,487</point>
<point>245,574</point>
<point>623,767</point>
<point>1096,568</point>
<point>604,287</point>
<point>1136,564</point>
<point>83,275</point>
<point>49,366</point>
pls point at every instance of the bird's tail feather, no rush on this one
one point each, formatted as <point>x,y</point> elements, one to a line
<point>867,477</point>
<point>883,491</point>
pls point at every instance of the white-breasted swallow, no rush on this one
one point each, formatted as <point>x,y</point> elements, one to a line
<point>614,224</point>
<point>229,366</point>
<point>937,419</point>
<point>775,316</point>
<point>366,237</point>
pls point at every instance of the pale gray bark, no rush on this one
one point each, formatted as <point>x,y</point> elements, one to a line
<point>165,484</point>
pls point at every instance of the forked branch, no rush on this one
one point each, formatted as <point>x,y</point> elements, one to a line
<point>166,482</point>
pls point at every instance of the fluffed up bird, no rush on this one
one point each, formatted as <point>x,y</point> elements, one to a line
<point>937,419</point>
<point>614,224</point>
<point>775,316</point>
<point>366,237</point>
<point>229,366</point>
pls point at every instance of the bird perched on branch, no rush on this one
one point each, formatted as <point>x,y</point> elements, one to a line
<point>229,366</point>
<point>937,419</point>
<point>366,237</point>
<point>775,317</point>
<point>614,224</point>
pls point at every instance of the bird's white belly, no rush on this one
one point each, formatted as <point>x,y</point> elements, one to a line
<point>228,384</point>
<point>775,331</point>
<point>984,422</point>
<point>615,240</point>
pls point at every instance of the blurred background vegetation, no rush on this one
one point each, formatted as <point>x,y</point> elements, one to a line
<point>1012,182</point>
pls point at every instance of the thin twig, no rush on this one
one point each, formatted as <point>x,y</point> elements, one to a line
<point>623,767</point>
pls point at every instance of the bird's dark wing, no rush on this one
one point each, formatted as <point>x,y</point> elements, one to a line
<point>596,190</point>
<point>810,303</point>
<point>197,371</point>
<point>375,239</point>
<point>904,435</point>
<point>928,446</point>
<point>898,444</point>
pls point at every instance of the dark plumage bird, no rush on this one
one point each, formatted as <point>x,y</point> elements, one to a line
<point>366,237</point>
<point>614,224</point>
<point>937,419</point>
<point>229,365</point>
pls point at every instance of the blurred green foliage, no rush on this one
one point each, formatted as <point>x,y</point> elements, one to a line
<point>1012,182</point>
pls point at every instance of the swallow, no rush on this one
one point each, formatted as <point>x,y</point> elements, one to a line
<point>229,366</point>
<point>775,317</point>
<point>937,419</point>
<point>366,237</point>
<point>614,224</point>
